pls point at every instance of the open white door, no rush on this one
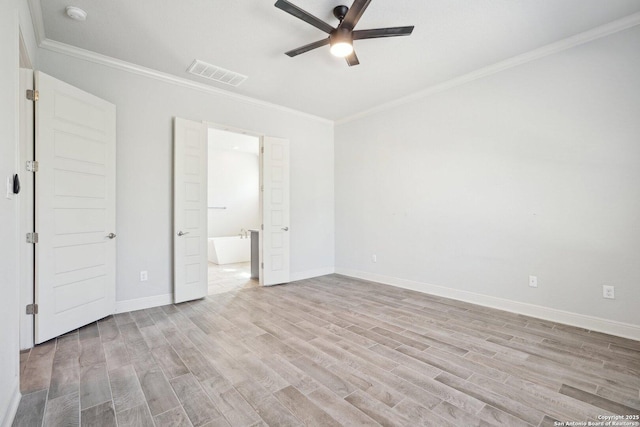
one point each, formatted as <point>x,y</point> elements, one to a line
<point>274,203</point>
<point>190,210</point>
<point>75,208</point>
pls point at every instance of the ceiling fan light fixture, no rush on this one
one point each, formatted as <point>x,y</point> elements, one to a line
<point>341,41</point>
<point>341,37</point>
<point>341,49</point>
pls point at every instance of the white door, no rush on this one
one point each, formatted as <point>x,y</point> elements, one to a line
<point>274,204</point>
<point>75,208</point>
<point>189,210</point>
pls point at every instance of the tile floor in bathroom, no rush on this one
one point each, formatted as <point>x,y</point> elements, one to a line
<point>230,277</point>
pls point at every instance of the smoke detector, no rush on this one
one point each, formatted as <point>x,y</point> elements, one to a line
<point>76,13</point>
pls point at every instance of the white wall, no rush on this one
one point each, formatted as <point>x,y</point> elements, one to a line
<point>28,34</point>
<point>145,108</point>
<point>234,183</point>
<point>9,289</point>
<point>531,171</point>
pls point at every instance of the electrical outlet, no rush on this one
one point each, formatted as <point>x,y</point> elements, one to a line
<point>608,292</point>
<point>374,258</point>
<point>533,281</point>
<point>144,276</point>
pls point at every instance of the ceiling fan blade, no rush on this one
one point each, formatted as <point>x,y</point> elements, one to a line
<point>308,47</point>
<point>294,10</point>
<point>352,59</point>
<point>382,32</point>
<point>355,12</point>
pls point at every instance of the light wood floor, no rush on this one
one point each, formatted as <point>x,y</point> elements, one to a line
<point>327,351</point>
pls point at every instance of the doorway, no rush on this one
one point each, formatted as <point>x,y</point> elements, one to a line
<point>233,210</point>
<point>191,206</point>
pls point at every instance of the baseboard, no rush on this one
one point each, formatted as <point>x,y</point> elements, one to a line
<point>12,408</point>
<point>142,303</point>
<point>301,275</point>
<point>592,323</point>
<point>158,300</point>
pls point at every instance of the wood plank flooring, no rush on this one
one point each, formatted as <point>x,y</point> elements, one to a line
<point>327,351</point>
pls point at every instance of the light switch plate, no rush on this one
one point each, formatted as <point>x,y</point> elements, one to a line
<point>9,188</point>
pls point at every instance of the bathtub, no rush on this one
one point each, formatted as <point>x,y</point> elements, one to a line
<point>229,250</point>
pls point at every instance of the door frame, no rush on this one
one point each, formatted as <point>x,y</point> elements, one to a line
<point>259,135</point>
<point>26,199</point>
<point>26,210</point>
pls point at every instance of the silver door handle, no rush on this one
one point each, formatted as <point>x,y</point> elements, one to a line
<point>180,233</point>
<point>111,235</point>
<point>285,228</point>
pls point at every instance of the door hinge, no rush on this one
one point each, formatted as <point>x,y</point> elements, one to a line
<point>33,95</point>
<point>262,265</point>
<point>32,308</point>
<point>262,150</point>
<point>261,226</point>
<point>32,237</point>
<point>32,166</point>
<point>262,188</point>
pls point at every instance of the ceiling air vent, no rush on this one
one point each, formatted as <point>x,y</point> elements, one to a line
<point>211,72</point>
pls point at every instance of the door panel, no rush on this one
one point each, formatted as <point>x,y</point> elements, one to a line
<point>275,211</point>
<point>190,210</point>
<point>75,208</point>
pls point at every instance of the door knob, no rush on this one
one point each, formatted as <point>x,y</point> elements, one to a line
<point>285,228</point>
<point>111,235</point>
<point>180,233</point>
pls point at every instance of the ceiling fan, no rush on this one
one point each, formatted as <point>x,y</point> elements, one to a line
<point>340,38</point>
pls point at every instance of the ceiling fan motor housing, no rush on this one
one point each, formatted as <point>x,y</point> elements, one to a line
<point>340,12</point>
<point>341,35</point>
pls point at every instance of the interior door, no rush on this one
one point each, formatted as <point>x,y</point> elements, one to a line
<point>190,210</point>
<point>274,201</point>
<point>75,208</point>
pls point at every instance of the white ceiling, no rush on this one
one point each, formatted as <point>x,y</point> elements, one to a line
<point>451,38</point>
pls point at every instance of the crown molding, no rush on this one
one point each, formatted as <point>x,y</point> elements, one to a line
<point>87,55</point>
<point>118,64</point>
<point>550,49</point>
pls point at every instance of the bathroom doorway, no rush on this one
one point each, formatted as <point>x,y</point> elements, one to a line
<point>233,214</point>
